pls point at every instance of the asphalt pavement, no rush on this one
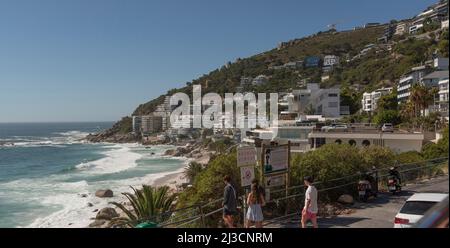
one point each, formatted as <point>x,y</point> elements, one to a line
<point>378,212</point>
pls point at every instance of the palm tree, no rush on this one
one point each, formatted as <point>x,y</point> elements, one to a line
<point>407,110</point>
<point>147,204</point>
<point>193,170</point>
<point>421,97</point>
<point>416,98</point>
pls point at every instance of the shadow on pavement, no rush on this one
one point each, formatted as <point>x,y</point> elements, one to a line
<point>382,199</point>
<point>339,222</point>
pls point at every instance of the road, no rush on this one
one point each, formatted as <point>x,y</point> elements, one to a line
<point>377,213</point>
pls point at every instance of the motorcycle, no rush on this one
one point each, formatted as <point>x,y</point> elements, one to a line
<point>365,190</point>
<point>393,185</point>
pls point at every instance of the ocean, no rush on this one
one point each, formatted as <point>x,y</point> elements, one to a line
<point>46,167</point>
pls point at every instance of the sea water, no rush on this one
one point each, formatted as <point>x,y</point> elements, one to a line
<point>49,174</point>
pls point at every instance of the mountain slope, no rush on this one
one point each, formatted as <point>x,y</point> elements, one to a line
<point>380,66</point>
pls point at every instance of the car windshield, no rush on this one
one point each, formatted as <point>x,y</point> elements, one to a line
<point>416,207</point>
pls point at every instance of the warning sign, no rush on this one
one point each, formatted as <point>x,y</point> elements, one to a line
<point>276,159</point>
<point>275,180</point>
<point>246,156</point>
<point>247,175</point>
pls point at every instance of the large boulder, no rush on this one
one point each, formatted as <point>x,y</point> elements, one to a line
<point>170,152</point>
<point>97,223</point>
<point>345,199</point>
<point>104,193</point>
<point>106,214</point>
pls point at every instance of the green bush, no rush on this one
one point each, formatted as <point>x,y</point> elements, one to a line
<point>432,150</point>
<point>387,116</point>
<point>333,161</point>
<point>409,157</point>
<point>208,184</point>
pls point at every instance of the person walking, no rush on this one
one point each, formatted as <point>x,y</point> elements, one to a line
<point>261,189</point>
<point>229,203</point>
<point>255,201</point>
<point>310,209</point>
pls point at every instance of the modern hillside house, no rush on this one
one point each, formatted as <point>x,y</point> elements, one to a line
<point>315,100</point>
<point>443,98</point>
<point>137,124</point>
<point>151,124</point>
<point>408,80</point>
<point>370,99</point>
<point>296,134</point>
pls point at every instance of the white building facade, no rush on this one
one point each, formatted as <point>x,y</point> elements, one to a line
<point>370,99</point>
<point>314,100</point>
<point>408,80</point>
<point>397,142</point>
<point>443,98</point>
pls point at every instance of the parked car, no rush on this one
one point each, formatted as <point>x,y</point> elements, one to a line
<point>415,207</point>
<point>334,127</point>
<point>436,217</point>
<point>387,127</point>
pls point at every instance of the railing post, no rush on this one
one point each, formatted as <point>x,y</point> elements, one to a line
<point>287,177</point>
<point>202,217</point>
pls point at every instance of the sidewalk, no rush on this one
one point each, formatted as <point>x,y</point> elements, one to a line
<point>376,213</point>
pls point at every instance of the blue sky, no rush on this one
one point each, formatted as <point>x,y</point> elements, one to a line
<point>96,60</point>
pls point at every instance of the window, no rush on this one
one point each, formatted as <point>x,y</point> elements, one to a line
<point>332,95</point>
<point>366,143</point>
<point>320,142</point>
<point>416,207</point>
<point>352,142</point>
<point>332,104</point>
<point>338,141</point>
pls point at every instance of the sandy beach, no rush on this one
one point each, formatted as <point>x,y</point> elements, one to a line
<point>172,180</point>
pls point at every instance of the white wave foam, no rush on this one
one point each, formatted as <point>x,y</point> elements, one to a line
<point>119,159</point>
<point>62,201</point>
<point>62,138</point>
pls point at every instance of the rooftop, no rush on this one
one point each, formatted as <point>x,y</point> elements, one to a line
<point>437,74</point>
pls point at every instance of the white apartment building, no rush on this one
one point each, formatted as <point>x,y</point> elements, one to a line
<point>440,64</point>
<point>330,60</point>
<point>151,124</point>
<point>296,134</point>
<point>260,80</point>
<point>137,124</point>
<point>314,100</point>
<point>370,99</point>
<point>415,28</point>
<point>444,24</point>
<point>408,80</point>
<point>401,28</point>
<point>443,98</point>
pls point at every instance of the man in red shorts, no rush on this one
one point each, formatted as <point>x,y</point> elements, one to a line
<point>310,209</point>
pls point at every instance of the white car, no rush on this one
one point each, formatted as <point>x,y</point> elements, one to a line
<point>387,127</point>
<point>415,207</point>
<point>334,127</point>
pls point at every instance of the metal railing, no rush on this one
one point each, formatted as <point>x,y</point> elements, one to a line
<point>284,206</point>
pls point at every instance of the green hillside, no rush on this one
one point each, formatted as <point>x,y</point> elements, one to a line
<point>381,66</point>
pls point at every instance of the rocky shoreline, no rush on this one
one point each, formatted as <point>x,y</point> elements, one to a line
<point>103,217</point>
<point>111,137</point>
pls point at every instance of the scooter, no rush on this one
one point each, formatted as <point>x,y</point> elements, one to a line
<point>365,190</point>
<point>393,186</point>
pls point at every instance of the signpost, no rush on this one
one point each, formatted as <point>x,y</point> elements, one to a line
<point>246,161</point>
<point>276,159</point>
<point>275,162</point>
<point>275,180</point>
<point>247,175</point>
<point>246,156</point>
